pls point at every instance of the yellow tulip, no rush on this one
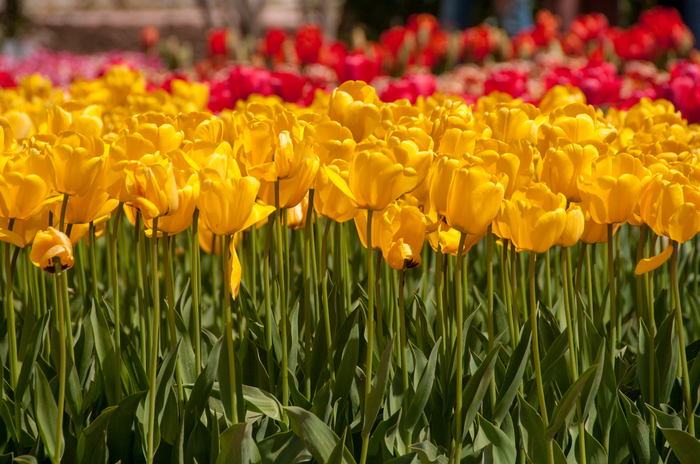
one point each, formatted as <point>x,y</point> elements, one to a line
<point>329,200</point>
<point>510,124</point>
<point>441,174</point>
<point>296,216</point>
<point>50,244</point>
<point>76,169</point>
<point>182,218</point>
<point>560,96</point>
<point>474,200</point>
<point>228,206</point>
<point>151,188</point>
<point>21,195</point>
<point>294,188</point>
<point>535,217</point>
<point>447,239</point>
<point>561,168</point>
<point>354,104</point>
<point>671,209</point>
<point>594,232</point>
<point>573,229</point>
<point>612,190</point>
<point>401,235</point>
<point>332,141</point>
<point>96,203</point>
<point>378,176</point>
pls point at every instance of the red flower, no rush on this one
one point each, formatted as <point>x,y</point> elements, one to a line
<point>216,42</point>
<point>273,41</point>
<point>637,43</point>
<point>149,37</point>
<point>392,39</point>
<point>7,80</point>
<point>478,42</point>
<point>309,39</point>
<point>510,81</point>
<point>290,86</point>
<point>546,28</point>
<point>356,67</point>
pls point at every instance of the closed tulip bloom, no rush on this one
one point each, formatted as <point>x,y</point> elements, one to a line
<point>329,200</point>
<point>76,169</point>
<point>612,190</point>
<point>510,124</point>
<point>574,227</point>
<point>447,239</point>
<point>21,195</point>
<point>378,176</point>
<point>50,244</point>
<point>536,218</point>
<point>560,96</point>
<point>561,168</point>
<point>292,189</point>
<point>228,206</point>
<point>401,236</point>
<point>474,200</point>
<point>354,105</point>
<point>671,209</point>
<point>181,219</point>
<point>152,189</point>
<point>96,203</point>
<point>441,174</point>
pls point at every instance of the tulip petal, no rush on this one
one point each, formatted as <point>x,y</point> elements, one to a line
<point>340,183</point>
<point>236,271</point>
<point>649,264</point>
<point>11,237</point>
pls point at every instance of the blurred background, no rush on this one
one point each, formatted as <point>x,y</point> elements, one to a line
<point>89,26</point>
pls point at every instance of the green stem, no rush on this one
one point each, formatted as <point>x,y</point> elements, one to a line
<point>514,290</point>
<point>613,294</point>
<point>548,279</point>
<point>268,306</point>
<point>11,326</point>
<point>536,355</point>
<point>194,277</point>
<point>378,303</point>
<point>167,250</point>
<point>115,297</point>
<point>404,346</point>
<point>489,296</point>
<point>58,276</point>
<point>324,298</point>
<point>678,313</point>
<point>459,309</point>
<point>505,286</point>
<point>153,361</point>
<point>308,291</point>
<point>370,334</point>
<point>283,297</point>
<point>228,329</point>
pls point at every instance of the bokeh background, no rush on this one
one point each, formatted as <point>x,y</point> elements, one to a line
<point>88,26</point>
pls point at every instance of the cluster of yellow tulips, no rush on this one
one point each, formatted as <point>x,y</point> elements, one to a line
<point>560,174</point>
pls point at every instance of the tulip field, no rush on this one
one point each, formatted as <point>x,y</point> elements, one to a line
<point>439,278</point>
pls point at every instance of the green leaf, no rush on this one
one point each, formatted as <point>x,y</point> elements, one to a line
<point>666,421</point>
<point>514,375</point>
<point>566,406</point>
<point>30,355</point>
<point>197,448</point>
<point>640,436</point>
<point>376,395</point>
<point>503,447</point>
<point>238,446</point>
<point>318,438</point>
<point>336,456</point>
<point>428,453</point>
<point>120,434</point>
<point>92,434</point>
<point>45,412</point>
<point>420,399</point>
<point>533,431</point>
<point>262,402</point>
<point>590,391</point>
<point>477,387</point>
<point>203,386</point>
<point>283,447</point>
<point>684,446</point>
<point>666,359</point>
<point>351,354</point>
<point>644,353</point>
<point>106,356</point>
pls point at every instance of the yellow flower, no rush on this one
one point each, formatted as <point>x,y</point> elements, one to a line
<point>228,206</point>
<point>50,244</point>
<point>296,216</point>
<point>441,174</point>
<point>401,235</point>
<point>535,217</point>
<point>594,232</point>
<point>76,169</point>
<point>294,188</point>
<point>573,229</point>
<point>332,142</point>
<point>474,200</point>
<point>561,168</point>
<point>21,194</point>
<point>671,209</point>
<point>329,200</point>
<point>560,96</point>
<point>612,190</point>
<point>447,238</point>
<point>96,203</point>
<point>151,188</point>
<point>378,176</point>
<point>354,105</point>
<point>510,124</point>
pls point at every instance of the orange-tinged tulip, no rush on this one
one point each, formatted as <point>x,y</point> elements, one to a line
<point>401,236</point>
<point>535,217</point>
<point>354,105</point>
<point>671,209</point>
<point>361,226</point>
<point>50,244</point>
<point>573,229</point>
<point>329,200</point>
<point>21,195</point>
<point>228,206</point>
<point>474,200</point>
<point>379,176</point>
<point>76,169</point>
<point>612,190</point>
<point>562,168</point>
<point>594,232</point>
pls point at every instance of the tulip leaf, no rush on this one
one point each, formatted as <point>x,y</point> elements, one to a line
<point>92,434</point>
<point>120,433</point>
<point>477,387</point>
<point>685,446</point>
<point>238,446</point>
<point>198,449</point>
<point>336,456</point>
<point>283,447</point>
<point>567,404</point>
<point>503,447</point>
<point>106,356</point>
<point>376,395</point>
<point>533,432</point>
<point>514,375</point>
<point>45,412</point>
<point>640,436</point>
<point>30,355</point>
<point>351,355</point>
<point>262,402</point>
<point>425,386</point>
<point>428,453</point>
<point>318,438</point>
